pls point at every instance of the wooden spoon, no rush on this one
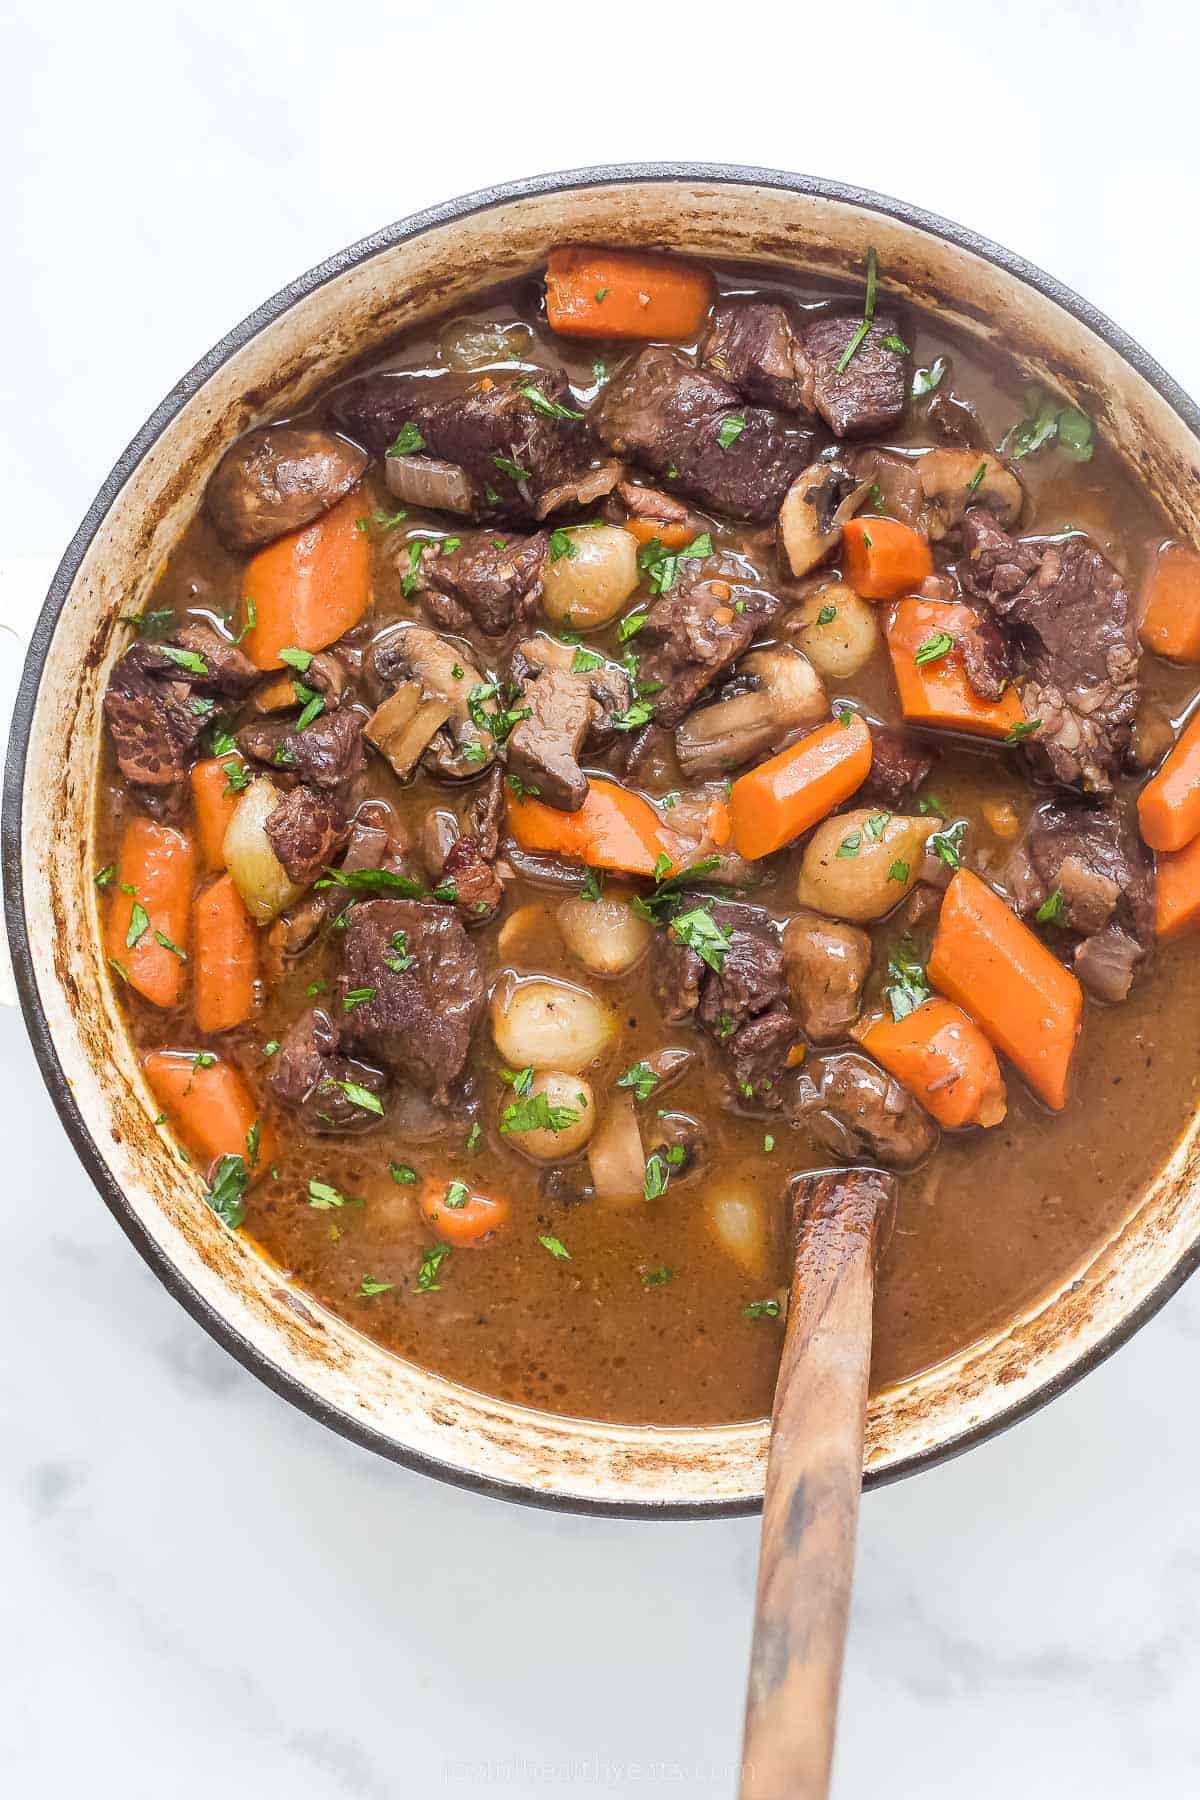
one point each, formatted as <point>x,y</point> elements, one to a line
<point>814,1476</point>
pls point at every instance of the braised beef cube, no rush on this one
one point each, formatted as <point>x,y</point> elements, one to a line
<point>692,429</point>
<point>753,345</point>
<point>414,990</point>
<point>492,582</point>
<point>898,768</point>
<point>324,754</point>
<point>309,1075</point>
<point>1088,866</point>
<point>154,727</point>
<point>544,749</point>
<point>1070,616</point>
<point>853,1108</point>
<point>306,830</point>
<point>826,962</point>
<point>690,636</point>
<point>986,658</point>
<point>867,395</point>
<point>477,888</point>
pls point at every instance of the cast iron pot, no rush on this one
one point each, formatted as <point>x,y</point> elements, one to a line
<point>352,304</point>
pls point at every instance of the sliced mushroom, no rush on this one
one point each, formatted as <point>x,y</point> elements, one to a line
<point>277,479</point>
<point>608,685</point>
<point>952,480</point>
<point>895,487</point>
<point>787,692</point>
<point>428,481</point>
<point>814,510</point>
<point>430,714</point>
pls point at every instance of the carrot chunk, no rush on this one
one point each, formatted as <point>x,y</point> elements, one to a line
<point>461,1216</point>
<point>671,537</point>
<point>624,294</point>
<point>988,962</point>
<point>613,829</point>
<point>148,919</point>
<point>775,802</point>
<point>308,587</point>
<point>225,957</point>
<point>882,559</point>
<point>207,1103</point>
<point>935,691</point>
<point>215,803</point>
<point>1171,605</point>
<point>1177,892</point>
<point>945,1062</point>
<point>1169,804</point>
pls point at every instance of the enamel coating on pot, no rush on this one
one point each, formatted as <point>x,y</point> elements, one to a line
<point>344,309</point>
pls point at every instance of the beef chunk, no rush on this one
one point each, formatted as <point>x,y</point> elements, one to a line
<point>757,1056</point>
<point>306,829</point>
<point>651,506</point>
<point>987,659</point>
<point>368,847</point>
<point>277,479</point>
<point>853,1108</point>
<point>485,815</point>
<point>1067,611</point>
<point>489,582</point>
<point>750,979</point>
<point>521,458</point>
<point>691,635</point>
<point>227,671</point>
<point>324,755</point>
<point>1107,962</point>
<point>690,426</point>
<point>826,963</point>
<point>868,395</point>
<point>1093,859</point>
<point>898,768</point>
<point>752,344</point>
<point>419,1015</point>
<point>477,888</point>
<point>955,421</point>
<point>153,725</point>
<point>544,749</point>
<point>307,1072</point>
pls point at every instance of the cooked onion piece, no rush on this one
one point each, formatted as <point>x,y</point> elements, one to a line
<point>567,1105</point>
<point>549,1024</point>
<point>616,1156</point>
<point>259,876</point>
<point>838,631</point>
<point>858,865</point>
<point>593,578</point>
<point>605,934</point>
<point>737,1215</point>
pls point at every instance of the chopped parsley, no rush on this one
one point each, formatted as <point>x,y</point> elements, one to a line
<point>357,997</point>
<point>314,704</point>
<point>555,1246</point>
<point>431,1262</point>
<point>768,1143</point>
<point>409,578</point>
<point>185,659</point>
<point>631,624</point>
<point>699,931</point>
<point>534,1112</point>
<point>933,648</point>
<point>601,295</point>
<point>324,1198</point>
<point>456,1196</point>
<point>657,1277</point>
<point>508,467</point>
<point>161,938</point>
<point>150,621</point>
<point>103,876</point>
<point>549,409</point>
<point>1045,422</point>
<point>300,660</point>
<point>139,924</point>
<point>931,804</point>
<point>358,1096</point>
<point>407,442</point>
<point>633,718</point>
<point>474,1135</point>
<point>519,1080</point>
<point>660,566</point>
<point>520,788</point>
<point>592,885</point>
<point>656,1177</point>
<point>906,987</point>
<point>925,380</point>
<point>898,871</point>
<point>864,325</point>
<point>947,845</point>
<point>561,544</point>
<point>641,1078</point>
<point>876,825</point>
<point>249,618</point>
<point>368,1287</point>
<point>373,880</point>
<point>386,521</point>
<point>761,1309</point>
<point>398,957</point>
<point>731,430</point>
<point>850,844</point>
<point>1052,908</point>
<point>270,1047</point>
<point>403,1174</point>
<point>584,661</point>
<point>976,478</point>
<point>827,615</point>
<point>228,1187</point>
<point>892,342</point>
<point>1021,730</point>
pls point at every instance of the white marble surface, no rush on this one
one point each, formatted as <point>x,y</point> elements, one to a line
<point>202,1591</point>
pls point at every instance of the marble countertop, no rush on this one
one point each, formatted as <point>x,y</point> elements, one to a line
<point>204,1591</point>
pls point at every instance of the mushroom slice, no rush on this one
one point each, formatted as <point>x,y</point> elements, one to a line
<point>435,710</point>
<point>952,480</point>
<point>277,479</point>
<point>787,692</point>
<point>428,481</point>
<point>814,510</point>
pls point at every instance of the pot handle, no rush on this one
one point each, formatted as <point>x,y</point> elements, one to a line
<point>23,584</point>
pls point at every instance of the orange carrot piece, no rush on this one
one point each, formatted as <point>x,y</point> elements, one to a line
<point>308,587</point>
<point>882,559</point>
<point>983,958</point>
<point>937,692</point>
<point>671,537</point>
<point>224,957</point>
<point>465,1226</point>
<point>624,294</point>
<point>210,1107</point>
<point>1177,892</point>
<point>215,803</point>
<point>770,805</point>
<point>1171,604</point>
<point>945,1062</point>
<point>613,829</point>
<point>154,872</point>
<point>720,826</point>
<point>1169,804</point>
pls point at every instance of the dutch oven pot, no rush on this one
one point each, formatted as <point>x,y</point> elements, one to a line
<point>350,306</point>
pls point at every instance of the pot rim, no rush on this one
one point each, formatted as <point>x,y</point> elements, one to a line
<point>483,199</point>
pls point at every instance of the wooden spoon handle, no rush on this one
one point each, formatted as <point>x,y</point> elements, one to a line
<point>814,1477</point>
